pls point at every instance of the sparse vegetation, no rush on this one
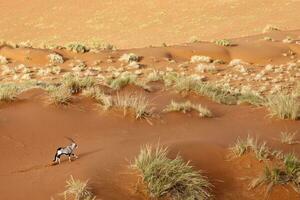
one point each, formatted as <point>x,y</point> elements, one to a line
<point>76,84</point>
<point>174,178</point>
<point>100,97</point>
<point>284,106</point>
<point>122,80</point>
<point>55,58</point>
<point>130,57</point>
<point>206,68</point>
<point>77,47</point>
<point>261,151</point>
<point>137,103</point>
<point>188,107</point>
<point>203,59</point>
<point>223,42</point>
<point>288,171</point>
<point>251,98</point>
<point>78,190</point>
<point>59,95</point>
<point>3,60</point>
<point>8,92</point>
<point>288,138</point>
<point>270,28</point>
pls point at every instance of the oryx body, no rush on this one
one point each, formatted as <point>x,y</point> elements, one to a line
<point>68,151</point>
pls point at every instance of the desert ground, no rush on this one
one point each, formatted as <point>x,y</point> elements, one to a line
<point>220,91</point>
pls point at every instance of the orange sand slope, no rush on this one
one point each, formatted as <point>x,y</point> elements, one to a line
<point>134,23</point>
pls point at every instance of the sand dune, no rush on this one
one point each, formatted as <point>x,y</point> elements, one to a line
<point>131,24</point>
<point>261,65</point>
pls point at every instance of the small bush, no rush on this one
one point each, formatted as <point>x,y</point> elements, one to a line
<point>138,104</point>
<point>284,106</point>
<point>78,190</point>
<point>8,92</point>
<point>164,177</point>
<point>187,107</point>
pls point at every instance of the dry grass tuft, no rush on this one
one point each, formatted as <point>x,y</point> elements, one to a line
<point>251,98</point>
<point>284,106</point>
<point>164,177</point>
<point>137,103</point>
<point>99,96</point>
<point>59,95</point>
<point>123,80</point>
<point>270,28</point>
<point>223,42</point>
<point>241,147</point>
<point>77,47</point>
<point>76,84</point>
<point>283,173</point>
<point>8,92</point>
<point>288,138</point>
<point>187,107</point>
<point>78,190</point>
<point>55,58</point>
<point>130,57</point>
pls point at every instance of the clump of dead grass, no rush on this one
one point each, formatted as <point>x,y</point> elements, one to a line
<point>138,104</point>
<point>223,42</point>
<point>78,190</point>
<point>284,106</point>
<point>288,138</point>
<point>285,172</point>
<point>251,98</point>
<point>270,28</point>
<point>55,58</point>
<point>188,107</point>
<point>8,92</point>
<point>99,96</point>
<point>77,47</point>
<point>75,84</point>
<point>122,80</point>
<point>242,146</point>
<point>59,95</point>
<point>174,178</point>
<point>130,57</point>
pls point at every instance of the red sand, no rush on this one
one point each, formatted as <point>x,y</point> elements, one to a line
<point>132,23</point>
<point>31,131</point>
